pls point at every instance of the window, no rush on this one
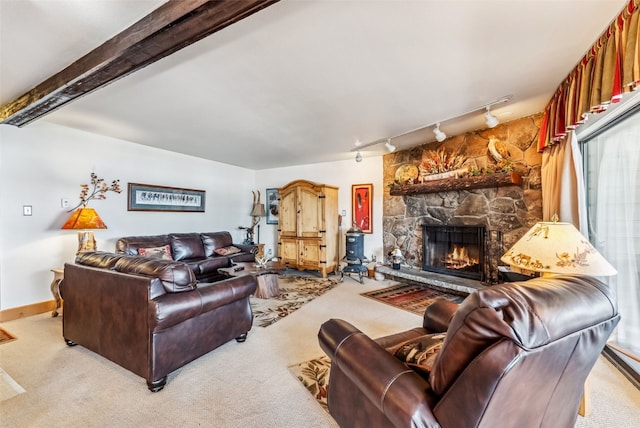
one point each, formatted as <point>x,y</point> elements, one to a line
<point>612,174</point>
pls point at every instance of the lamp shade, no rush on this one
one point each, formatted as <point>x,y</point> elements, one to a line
<point>557,248</point>
<point>84,218</point>
<point>258,210</point>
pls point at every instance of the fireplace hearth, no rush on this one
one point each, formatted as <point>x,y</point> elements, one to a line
<point>454,250</point>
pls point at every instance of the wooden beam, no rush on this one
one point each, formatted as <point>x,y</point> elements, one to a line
<point>171,27</point>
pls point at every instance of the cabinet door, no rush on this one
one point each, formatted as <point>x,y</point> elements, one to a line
<point>310,252</point>
<point>289,251</point>
<point>288,215</point>
<point>310,213</point>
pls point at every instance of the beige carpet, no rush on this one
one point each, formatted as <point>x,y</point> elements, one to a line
<point>237,385</point>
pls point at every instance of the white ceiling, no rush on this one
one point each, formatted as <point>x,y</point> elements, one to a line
<point>300,81</point>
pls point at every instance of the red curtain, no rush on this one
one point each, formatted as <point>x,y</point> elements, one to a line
<point>610,68</point>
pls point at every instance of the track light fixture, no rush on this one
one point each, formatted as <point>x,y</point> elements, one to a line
<point>440,136</point>
<point>490,119</point>
<point>390,147</point>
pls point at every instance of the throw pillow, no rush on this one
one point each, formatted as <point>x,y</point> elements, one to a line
<point>419,353</point>
<point>225,251</point>
<point>163,252</point>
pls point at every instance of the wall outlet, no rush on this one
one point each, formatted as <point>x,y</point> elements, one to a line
<point>64,203</point>
<point>344,213</point>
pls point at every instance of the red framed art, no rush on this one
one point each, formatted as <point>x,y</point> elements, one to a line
<point>361,206</point>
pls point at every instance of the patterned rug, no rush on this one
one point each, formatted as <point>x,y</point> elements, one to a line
<point>295,291</point>
<point>5,336</point>
<point>411,297</point>
<point>314,375</point>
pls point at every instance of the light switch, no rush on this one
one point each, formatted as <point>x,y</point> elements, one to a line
<point>64,203</point>
<point>26,210</point>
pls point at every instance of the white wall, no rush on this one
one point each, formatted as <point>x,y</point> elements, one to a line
<point>342,174</point>
<point>42,163</point>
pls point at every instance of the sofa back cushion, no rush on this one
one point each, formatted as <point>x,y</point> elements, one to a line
<point>99,259</point>
<point>215,240</point>
<point>130,245</point>
<point>175,276</point>
<point>528,314</point>
<point>186,246</point>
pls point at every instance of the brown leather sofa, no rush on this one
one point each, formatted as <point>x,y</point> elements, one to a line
<point>197,250</point>
<point>514,355</point>
<point>149,315</point>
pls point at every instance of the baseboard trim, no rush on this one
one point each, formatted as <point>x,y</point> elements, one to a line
<point>27,310</point>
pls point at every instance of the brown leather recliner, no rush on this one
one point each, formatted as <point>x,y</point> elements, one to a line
<point>515,355</point>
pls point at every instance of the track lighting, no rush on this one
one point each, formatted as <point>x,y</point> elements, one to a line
<point>390,147</point>
<point>440,136</point>
<point>490,119</point>
<point>358,157</point>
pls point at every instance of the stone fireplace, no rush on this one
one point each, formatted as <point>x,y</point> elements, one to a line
<point>505,207</point>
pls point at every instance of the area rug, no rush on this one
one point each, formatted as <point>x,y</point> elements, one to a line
<point>295,291</point>
<point>411,297</point>
<point>5,336</point>
<point>314,375</point>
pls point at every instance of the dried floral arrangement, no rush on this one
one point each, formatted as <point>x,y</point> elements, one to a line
<point>96,190</point>
<point>440,161</point>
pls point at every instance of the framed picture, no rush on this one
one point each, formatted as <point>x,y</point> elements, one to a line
<point>272,206</point>
<point>361,206</point>
<point>145,197</point>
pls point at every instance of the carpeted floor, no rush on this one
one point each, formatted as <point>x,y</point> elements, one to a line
<point>295,291</point>
<point>411,297</point>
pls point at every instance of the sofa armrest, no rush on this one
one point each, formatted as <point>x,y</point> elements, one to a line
<point>247,248</point>
<point>396,391</point>
<point>438,315</point>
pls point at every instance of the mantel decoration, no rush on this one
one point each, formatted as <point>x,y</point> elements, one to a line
<point>443,171</point>
<point>84,218</point>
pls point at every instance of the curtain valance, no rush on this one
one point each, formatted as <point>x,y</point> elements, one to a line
<point>610,68</point>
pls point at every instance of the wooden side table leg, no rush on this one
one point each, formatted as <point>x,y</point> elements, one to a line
<point>585,401</point>
<point>55,290</point>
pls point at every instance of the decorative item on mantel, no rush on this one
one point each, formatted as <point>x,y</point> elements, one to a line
<point>84,218</point>
<point>257,211</point>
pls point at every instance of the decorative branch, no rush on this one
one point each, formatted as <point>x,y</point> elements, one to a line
<point>97,191</point>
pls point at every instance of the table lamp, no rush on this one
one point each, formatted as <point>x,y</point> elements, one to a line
<point>556,248</point>
<point>84,219</point>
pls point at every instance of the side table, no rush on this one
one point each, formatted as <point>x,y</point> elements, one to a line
<point>58,277</point>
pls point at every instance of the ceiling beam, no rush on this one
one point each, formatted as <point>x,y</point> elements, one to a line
<point>171,27</point>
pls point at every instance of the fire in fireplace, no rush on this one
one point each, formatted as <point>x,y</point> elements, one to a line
<point>454,250</point>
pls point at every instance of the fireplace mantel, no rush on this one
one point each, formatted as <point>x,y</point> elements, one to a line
<point>466,183</point>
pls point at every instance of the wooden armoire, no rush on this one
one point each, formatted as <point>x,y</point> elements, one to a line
<point>308,226</point>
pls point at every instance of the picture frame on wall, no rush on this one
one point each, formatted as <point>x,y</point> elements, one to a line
<point>362,206</point>
<point>146,197</point>
<point>272,206</point>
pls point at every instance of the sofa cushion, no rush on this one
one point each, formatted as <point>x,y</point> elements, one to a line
<point>213,240</point>
<point>99,259</point>
<point>419,353</point>
<point>186,246</point>
<point>163,252</point>
<point>129,245</point>
<point>212,264</point>
<point>227,251</point>
<point>175,276</point>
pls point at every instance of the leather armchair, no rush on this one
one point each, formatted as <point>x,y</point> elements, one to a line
<point>515,355</point>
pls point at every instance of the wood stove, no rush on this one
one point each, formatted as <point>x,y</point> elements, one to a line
<point>454,250</point>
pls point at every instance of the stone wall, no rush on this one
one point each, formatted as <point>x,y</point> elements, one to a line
<point>511,210</point>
